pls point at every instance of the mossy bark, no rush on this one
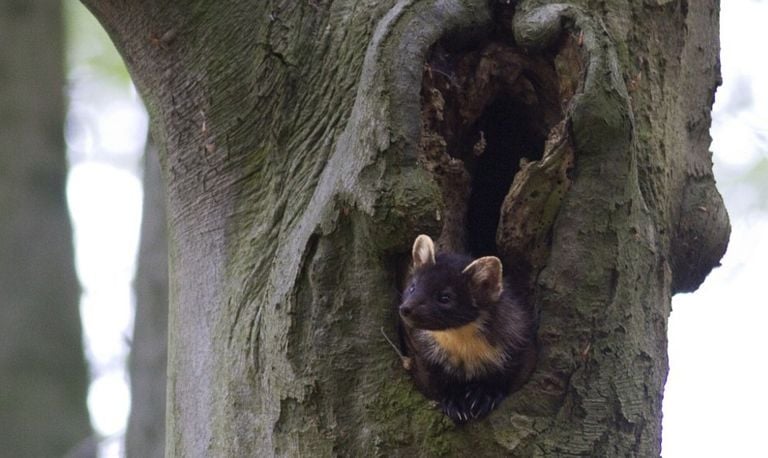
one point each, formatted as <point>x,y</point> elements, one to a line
<point>295,162</point>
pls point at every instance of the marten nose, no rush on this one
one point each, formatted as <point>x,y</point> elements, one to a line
<point>406,310</point>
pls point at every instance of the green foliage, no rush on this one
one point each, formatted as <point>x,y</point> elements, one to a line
<point>757,175</point>
<point>89,49</point>
<point>748,186</point>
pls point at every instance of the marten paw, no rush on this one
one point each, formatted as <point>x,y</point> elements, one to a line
<point>473,404</point>
<point>456,411</point>
<point>482,402</point>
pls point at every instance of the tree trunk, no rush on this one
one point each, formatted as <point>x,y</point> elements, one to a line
<point>145,437</point>
<point>43,376</point>
<point>308,143</point>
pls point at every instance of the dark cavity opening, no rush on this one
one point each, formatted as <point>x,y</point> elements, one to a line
<point>485,107</point>
<point>511,133</point>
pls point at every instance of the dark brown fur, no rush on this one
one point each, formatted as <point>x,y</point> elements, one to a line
<point>468,341</point>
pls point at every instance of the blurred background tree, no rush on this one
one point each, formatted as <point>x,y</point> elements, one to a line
<point>145,437</point>
<point>43,376</point>
<point>106,132</point>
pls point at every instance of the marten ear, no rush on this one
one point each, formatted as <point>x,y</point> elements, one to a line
<point>423,252</point>
<point>484,276</point>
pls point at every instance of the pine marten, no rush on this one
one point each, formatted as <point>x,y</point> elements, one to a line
<point>468,341</point>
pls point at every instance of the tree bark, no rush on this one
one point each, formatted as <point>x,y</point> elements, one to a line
<point>145,435</point>
<point>306,147</point>
<point>43,376</point>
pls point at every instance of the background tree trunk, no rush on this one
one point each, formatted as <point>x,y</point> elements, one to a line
<point>145,437</point>
<point>43,376</point>
<point>298,176</point>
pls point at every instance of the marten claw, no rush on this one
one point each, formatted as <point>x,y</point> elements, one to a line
<point>476,403</point>
<point>448,409</point>
<point>454,411</point>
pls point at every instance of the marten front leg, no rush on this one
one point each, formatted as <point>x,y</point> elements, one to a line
<point>476,401</point>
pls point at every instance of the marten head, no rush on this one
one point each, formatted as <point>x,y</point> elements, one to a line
<point>448,290</point>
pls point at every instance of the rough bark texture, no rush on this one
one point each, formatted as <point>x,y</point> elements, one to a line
<point>145,437</point>
<point>43,376</point>
<point>298,140</point>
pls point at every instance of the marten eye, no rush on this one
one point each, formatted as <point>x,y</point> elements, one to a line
<point>444,297</point>
<point>412,288</point>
